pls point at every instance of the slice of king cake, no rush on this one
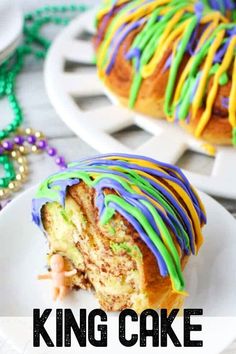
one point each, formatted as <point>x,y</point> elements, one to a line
<point>127,223</point>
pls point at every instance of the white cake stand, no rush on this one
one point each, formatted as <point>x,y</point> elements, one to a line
<point>97,125</point>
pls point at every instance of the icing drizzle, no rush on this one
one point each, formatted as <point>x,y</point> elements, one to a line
<point>154,197</point>
<point>203,31</point>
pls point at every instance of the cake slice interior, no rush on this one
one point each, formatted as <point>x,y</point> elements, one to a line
<point>110,259</point>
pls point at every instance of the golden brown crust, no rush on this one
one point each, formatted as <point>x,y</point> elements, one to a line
<point>150,100</point>
<point>159,290</point>
<point>217,131</point>
<point>151,94</point>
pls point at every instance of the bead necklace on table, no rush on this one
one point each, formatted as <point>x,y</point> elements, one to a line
<point>25,142</point>
<point>17,143</point>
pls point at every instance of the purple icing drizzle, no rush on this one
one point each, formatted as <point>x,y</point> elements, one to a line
<point>119,41</point>
<point>119,175</point>
<point>225,102</point>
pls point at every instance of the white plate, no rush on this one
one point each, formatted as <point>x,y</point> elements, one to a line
<point>11,23</point>
<point>210,277</point>
<point>100,120</point>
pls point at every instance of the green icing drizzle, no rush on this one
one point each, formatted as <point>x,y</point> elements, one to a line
<point>175,65</point>
<point>197,60</point>
<point>147,41</point>
<point>133,250</point>
<point>234,137</point>
<point>136,179</point>
<point>173,265</point>
<point>163,241</point>
<point>224,79</point>
<point>111,230</point>
<point>64,215</point>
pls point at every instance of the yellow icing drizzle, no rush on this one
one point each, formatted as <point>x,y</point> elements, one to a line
<point>183,195</point>
<point>107,5</point>
<point>209,149</point>
<point>133,16</point>
<point>164,43</point>
<point>212,94</point>
<point>232,99</point>
<point>207,66</point>
<point>187,93</point>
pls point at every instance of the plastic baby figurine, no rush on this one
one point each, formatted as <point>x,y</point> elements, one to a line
<point>58,276</point>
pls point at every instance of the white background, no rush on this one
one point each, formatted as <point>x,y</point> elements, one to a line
<point>39,112</point>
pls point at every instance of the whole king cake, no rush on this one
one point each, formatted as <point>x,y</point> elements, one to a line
<point>128,224</point>
<point>172,59</point>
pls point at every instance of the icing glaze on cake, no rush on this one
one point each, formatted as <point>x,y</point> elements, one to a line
<point>154,197</point>
<point>201,32</point>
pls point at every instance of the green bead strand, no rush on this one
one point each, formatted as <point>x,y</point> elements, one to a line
<point>9,171</point>
<point>35,44</point>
